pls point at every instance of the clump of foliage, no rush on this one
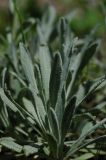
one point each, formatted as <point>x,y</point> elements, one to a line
<point>41,90</point>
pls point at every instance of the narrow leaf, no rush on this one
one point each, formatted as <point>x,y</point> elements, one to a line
<point>10,144</point>
<point>67,117</point>
<point>28,150</point>
<point>81,139</point>
<point>45,65</point>
<point>29,73</point>
<point>30,108</point>
<point>81,60</point>
<point>54,124</point>
<point>6,100</point>
<point>55,79</point>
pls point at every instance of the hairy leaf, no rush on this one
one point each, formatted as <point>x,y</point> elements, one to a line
<point>54,124</point>
<point>10,144</point>
<point>67,117</point>
<point>55,79</point>
<point>81,139</point>
<point>45,68</point>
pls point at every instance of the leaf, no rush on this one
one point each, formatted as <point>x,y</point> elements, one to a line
<point>28,67</point>
<point>98,107</point>
<point>81,139</point>
<point>28,150</point>
<point>80,94</point>
<point>86,127</point>
<point>4,77</point>
<point>54,124</point>
<point>39,82</point>
<point>69,77</point>
<point>97,83</point>
<point>65,37</point>
<point>100,139</point>
<point>53,145</point>
<point>4,113</point>
<point>10,144</point>
<point>81,61</point>
<point>11,6</point>
<point>21,131</point>
<point>12,53</point>
<point>18,78</point>
<point>55,79</point>
<point>40,110</point>
<point>67,43</point>
<point>30,108</point>
<point>84,58</point>
<point>67,117</point>
<point>29,72</point>
<point>45,27</point>
<point>6,100</point>
<point>45,66</point>
<point>93,88</point>
<point>13,105</point>
<point>85,156</point>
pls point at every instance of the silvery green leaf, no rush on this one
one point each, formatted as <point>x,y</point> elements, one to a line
<point>10,144</point>
<point>100,139</point>
<point>4,77</point>
<point>11,6</point>
<point>98,83</point>
<point>27,66</point>
<point>30,107</point>
<point>65,38</point>
<point>92,89</point>
<point>13,105</point>
<point>18,78</point>
<point>22,131</point>
<point>6,100</point>
<point>45,27</point>
<point>54,124</point>
<point>81,139</point>
<point>28,150</point>
<point>80,94</point>
<point>81,61</point>
<point>40,110</point>
<point>13,57</point>
<point>3,109</point>
<point>45,66</point>
<point>29,73</point>
<point>86,127</point>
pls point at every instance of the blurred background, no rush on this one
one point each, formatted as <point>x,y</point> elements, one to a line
<point>89,12</point>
